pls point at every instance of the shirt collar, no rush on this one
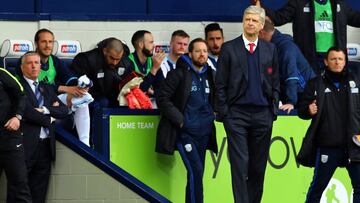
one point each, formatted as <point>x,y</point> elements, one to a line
<point>246,42</point>
<point>30,81</point>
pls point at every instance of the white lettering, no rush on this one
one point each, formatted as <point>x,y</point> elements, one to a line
<point>126,125</point>
<point>144,125</point>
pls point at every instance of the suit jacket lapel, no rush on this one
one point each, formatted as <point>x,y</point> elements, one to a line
<point>261,60</point>
<point>242,57</point>
<point>29,93</point>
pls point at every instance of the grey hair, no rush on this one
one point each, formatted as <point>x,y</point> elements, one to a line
<point>29,53</point>
<point>256,10</point>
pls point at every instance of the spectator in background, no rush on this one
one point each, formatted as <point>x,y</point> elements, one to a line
<point>56,73</point>
<point>42,108</point>
<point>12,158</point>
<point>294,69</point>
<point>248,87</point>
<point>317,25</point>
<point>178,46</point>
<point>145,63</point>
<point>106,66</point>
<point>214,37</point>
<point>331,101</point>
<point>186,102</point>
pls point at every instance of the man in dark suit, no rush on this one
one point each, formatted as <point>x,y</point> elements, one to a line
<point>247,85</point>
<point>42,108</point>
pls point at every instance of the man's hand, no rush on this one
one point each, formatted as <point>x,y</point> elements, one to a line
<point>287,107</point>
<point>157,59</point>
<point>13,124</point>
<point>313,108</point>
<point>73,90</point>
<point>41,110</point>
<point>56,103</point>
<point>256,3</point>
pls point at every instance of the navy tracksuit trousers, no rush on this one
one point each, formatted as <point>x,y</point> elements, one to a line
<point>327,160</point>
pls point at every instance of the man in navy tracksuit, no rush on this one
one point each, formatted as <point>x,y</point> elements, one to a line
<point>187,117</point>
<point>331,101</point>
<point>294,69</point>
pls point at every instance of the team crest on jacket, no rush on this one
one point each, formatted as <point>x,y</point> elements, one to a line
<point>270,70</point>
<point>324,158</point>
<point>352,83</point>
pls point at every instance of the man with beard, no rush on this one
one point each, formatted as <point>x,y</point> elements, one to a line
<point>57,74</point>
<point>186,102</point>
<point>214,38</point>
<point>105,66</point>
<point>178,46</point>
<point>145,63</point>
<point>247,85</point>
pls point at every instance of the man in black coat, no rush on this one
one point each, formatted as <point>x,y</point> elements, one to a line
<point>42,108</point>
<point>332,102</point>
<point>106,66</point>
<point>186,103</point>
<point>317,25</point>
<point>12,158</point>
<point>247,85</point>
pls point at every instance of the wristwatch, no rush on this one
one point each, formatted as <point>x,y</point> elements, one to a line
<point>18,116</point>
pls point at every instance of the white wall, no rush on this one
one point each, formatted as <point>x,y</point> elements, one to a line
<point>89,33</point>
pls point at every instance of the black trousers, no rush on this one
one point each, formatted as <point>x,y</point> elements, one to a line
<point>39,167</point>
<point>13,163</point>
<point>249,131</point>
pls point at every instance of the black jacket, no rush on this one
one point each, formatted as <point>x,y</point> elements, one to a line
<point>105,79</point>
<point>303,23</point>
<point>315,90</point>
<point>33,120</point>
<point>171,100</point>
<point>12,102</point>
<point>232,75</point>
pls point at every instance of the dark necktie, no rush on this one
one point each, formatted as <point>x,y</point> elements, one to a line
<point>251,50</point>
<point>38,95</point>
<point>40,100</point>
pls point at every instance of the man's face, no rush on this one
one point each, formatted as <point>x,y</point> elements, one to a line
<point>335,61</point>
<point>179,45</point>
<point>199,54</point>
<point>31,66</point>
<point>214,40</point>
<point>112,57</point>
<point>148,45</point>
<point>45,44</point>
<point>252,24</point>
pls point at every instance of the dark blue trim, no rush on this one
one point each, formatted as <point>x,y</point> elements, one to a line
<point>108,167</point>
<point>117,17</point>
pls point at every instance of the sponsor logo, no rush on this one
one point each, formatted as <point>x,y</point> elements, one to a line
<point>21,47</point>
<point>352,51</point>
<point>69,49</point>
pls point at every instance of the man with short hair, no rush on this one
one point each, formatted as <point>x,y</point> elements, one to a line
<point>145,62</point>
<point>214,37</point>
<point>186,102</point>
<point>64,82</point>
<point>247,85</point>
<point>294,69</point>
<point>331,101</point>
<point>106,66</point>
<point>178,46</point>
<point>42,108</point>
